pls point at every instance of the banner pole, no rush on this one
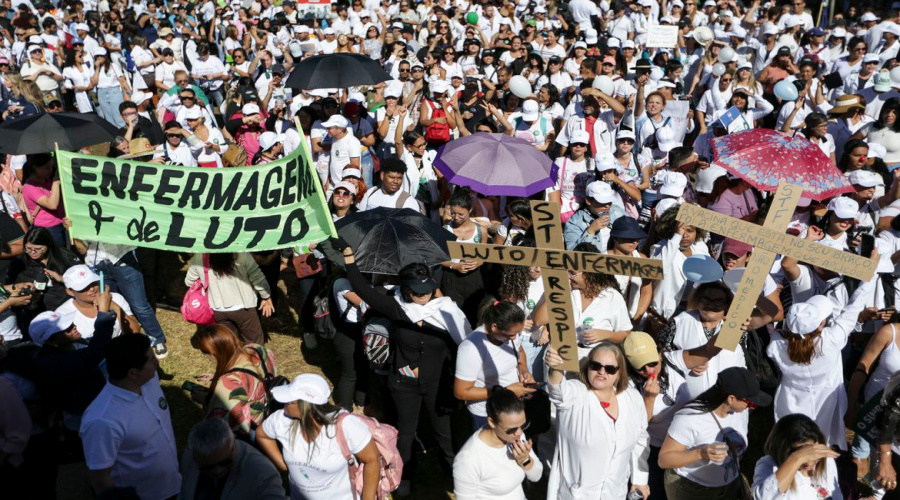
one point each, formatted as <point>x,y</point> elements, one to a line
<point>62,192</point>
<point>315,174</point>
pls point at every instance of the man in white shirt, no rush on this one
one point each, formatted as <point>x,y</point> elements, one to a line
<point>345,148</point>
<point>127,430</point>
<point>581,11</point>
<point>390,194</point>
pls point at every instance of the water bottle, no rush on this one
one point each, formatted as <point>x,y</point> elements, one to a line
<point>635,495</point>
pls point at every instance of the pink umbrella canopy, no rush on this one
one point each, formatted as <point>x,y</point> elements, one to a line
<point>764,157</point>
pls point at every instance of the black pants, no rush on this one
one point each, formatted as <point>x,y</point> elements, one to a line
<point>657,481</point>
<point>351,387</point>
<point>409,395</point>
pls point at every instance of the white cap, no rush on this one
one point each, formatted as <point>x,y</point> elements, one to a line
<point>349,186</point>
<point>665,204</point>
<point>590,36</point>
<point>673,184</point>
<point>251,108</point>
<point>876,150</point>
<point>709,3</point>
<point>439,87</point>
<point>665,137</point>
<point>805,317</point>
<point>139,97</point>
<point>738,31</point>
<point>580,137</point>
<point>893,29</point>
<point>364,13</point>
<point>843,207</point>
<point>267,140</point>
<point>870,57</point>
<point>647,3</point>
<point>309,387</point>
<point>625,133</point>
<point>328,31</point>
<point>351,172</point>
<point>33,48</point>
<point>48,324</point>
<point>192,113</point>
<point>392,90</point>
<point>82,27</point>
<point>665,83</point>
<point>678,3</point>
<point>100,51</point>
<point>600,192</point>
<point>839,33</point>
<point>336,121</point>
<point>540,9</point>
<point>302,29</point>
<point>706,178</point>
<point>530,110</point>
<point>744,65</point>
<point>580,45</point>
<point>80,277</point>
<point>791,21</point>
<point>613,42</point>
<point>770,29</point>
<point>627,44</point>
<point>865,179</point>
<point>397,26</point>
<point>868,17</point>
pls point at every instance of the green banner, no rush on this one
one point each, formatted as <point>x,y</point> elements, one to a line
<point>193,209</point>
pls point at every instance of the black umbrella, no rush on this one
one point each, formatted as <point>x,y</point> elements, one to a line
<point>336,71</point>
<point>44,132</point>
<point>387,239</point>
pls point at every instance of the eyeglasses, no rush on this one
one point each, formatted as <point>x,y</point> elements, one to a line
<point>750,404</point>
<point>725,80</point>
<point>708,302</point>
<point>186,97</point>
<point>342,194</point>
<point>419,145</point>
<point>626,141</point>
<point>34,251</point>
<point>573,274</point>
<point>579,145</point>
<point>418,70</point>
<point>597,366</point>
<point>648,365</point>
<point>511,431</point>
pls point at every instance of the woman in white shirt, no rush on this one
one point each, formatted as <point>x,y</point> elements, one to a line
<point>308,431</point>
<point>624,237</point>
<point>715,99</point>
<point>78,79</point>
<point>798,464</point>
<point>576,170</point>
<point>707,437</point>
<point>602,423</point>
<point>112,88</point>
<point>808,354</point>
<point>816,130</point>
<point>145,64</point>
<point>678,241</point>
<point>497,458</point>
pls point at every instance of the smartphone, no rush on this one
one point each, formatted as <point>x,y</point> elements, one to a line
<point>866,245</point>
<point>864,229</point>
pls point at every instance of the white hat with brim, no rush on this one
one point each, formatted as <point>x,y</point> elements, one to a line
<point>48,324</point>
<point>308,387</point>
<point>336,121</point>
<point>843,207</point>
<point>600,192</point>
<point>349,186</point>
<point>80,277</point>
<point>805,317</point>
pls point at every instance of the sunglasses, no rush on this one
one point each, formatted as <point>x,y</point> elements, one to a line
<point>579,145</point>
<point>186,97</point>
<point>626,141</point>
<point>648,365</point>
<point>750,404</point>
<point>342,194</point>
<point>524,427</point>
<point>174,135</point>
<point>597,366</point>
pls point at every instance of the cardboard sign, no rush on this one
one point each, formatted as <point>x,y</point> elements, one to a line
<point>779,242</point>
<point>557,291</point>
<point>650,269</point>
<point>659,36</point>
<point>191,209</point>
<point>867,417</point>
<point>754,279</point>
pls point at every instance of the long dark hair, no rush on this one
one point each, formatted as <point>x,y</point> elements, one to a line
<point>707,401</point>
<point>499,312</point>
<point>892,104</point>
<point>57,260</point>
<point>850,146</point>
<point>222,264</point>
<point>596,282</point>
<point>502,400</point>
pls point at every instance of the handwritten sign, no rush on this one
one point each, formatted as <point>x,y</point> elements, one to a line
<point>677,111</point>
<point>659,36</point>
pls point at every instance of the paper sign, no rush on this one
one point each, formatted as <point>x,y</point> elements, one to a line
<point>734,121</point>
<point>778,242</point>
<point>557,291</point>
<point>751,285</point>
<point>308,9</point>
<point>650,269</point>
<point>192,209</point>
<point>659,36</point>
<point>677,112</point>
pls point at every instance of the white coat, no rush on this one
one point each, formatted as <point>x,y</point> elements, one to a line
<point>817,389</point>
<point>596,456</point>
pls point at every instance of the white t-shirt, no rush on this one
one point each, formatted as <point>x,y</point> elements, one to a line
<point>341,151</point>
<point>694,429</point>
<point>479,360</point>
<point>340,289</point>
<point>86,325</point>
<point>324,474</point>
<point>482,471</point>
<point>573,179</point>
<point>375,198</point>
<point>606,312</point>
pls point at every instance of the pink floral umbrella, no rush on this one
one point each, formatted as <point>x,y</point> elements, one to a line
<point>764,157</point>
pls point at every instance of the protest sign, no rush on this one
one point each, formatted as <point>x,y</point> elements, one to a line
<point>734,121</point>
<point>677,112</point>
<point>192,209</point>
<point>309,9</point>
<point>659,36</point>
<point>867,416</point>
<point>555,263</point>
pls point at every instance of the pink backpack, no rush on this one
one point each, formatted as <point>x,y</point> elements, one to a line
<point>385,438</point>
<point>195,307</point>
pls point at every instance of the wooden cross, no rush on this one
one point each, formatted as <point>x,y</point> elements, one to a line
<point>767,241</point>
<point>555,262</point>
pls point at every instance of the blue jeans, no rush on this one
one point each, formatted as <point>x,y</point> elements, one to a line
<point>109,99</point>
<point>367,166</point>
<point>477,422</point>
<point>130,282</point>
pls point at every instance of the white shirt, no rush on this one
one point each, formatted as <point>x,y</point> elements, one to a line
<point>596,456</point>
<point>341,151</point>
<point>85,324</point>
<point>132,434</point>
<point>378,198</point>
<point>211,66</point>
<point>481,361</point>
<point>481,472</point>
<point>606,312</point>
<point>694,429</point>
<point>573,179</point>
<point>165,73</point>
<point>765,483</point>
<point>79,78</point>
<point>322,475</point>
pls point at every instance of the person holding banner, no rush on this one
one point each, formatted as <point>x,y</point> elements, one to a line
<point>43,197</point>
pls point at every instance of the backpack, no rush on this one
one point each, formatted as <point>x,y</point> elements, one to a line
<point>323,304</point>
<point>376,338</point>
<point>235,156</point>
<point>195,306</point>
<point>437,133</point>
<point>391,469</point>
<point>269,381</point>
<point>401,200</point>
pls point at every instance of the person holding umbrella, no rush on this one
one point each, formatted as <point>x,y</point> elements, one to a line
<point>427,329</point>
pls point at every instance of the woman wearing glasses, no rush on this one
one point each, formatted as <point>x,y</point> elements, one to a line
<point>806,351</point>
<point>497,458</point>
<point>602,443</point>
<point>714,99</point>
<point>707,437</point>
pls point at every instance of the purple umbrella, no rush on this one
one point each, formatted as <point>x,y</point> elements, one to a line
<point>496,165</point>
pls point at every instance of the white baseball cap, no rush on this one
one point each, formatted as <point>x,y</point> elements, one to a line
<point>308,387</point>
<point>625,133</point>
<point>349,186</point>
<point>590,36</point>
<point>267,140</point>
<point>706,178</point>
<point>251,108</point>
<point>613,42</point>
<point>673,184</point>
<point>530,110</point>
<point>791,21</point>
<point>192,113</point>
<point>580,137</point>
<point>336,121</point>
<point>82,27</point>
<point>865,179</point>
<point>843,207</point>
<point>139,97</point>
<point>80,277</point>
<point>48,324</point>
<point>328,31</point>
<point>665,138</point>
<point>600,192</point>
<point>868,17</point>
<point>351,172</point>
<point>580,45</point>
<point>805,317</point>
<point>628,44</point>
<point>439,87</point>
<point>876,150</point>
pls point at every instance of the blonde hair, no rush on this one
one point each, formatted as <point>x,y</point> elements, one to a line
<point>621,377</point>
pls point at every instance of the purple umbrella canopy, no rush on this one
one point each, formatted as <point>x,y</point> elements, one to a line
<point>496,165</point>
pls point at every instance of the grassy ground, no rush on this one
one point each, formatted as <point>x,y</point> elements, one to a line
<point>184,363</point>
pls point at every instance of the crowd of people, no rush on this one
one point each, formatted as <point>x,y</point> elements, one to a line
<point>656,410</point>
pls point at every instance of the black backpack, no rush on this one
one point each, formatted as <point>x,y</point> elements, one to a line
<point>324,323</point>
<point>269,380</point>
